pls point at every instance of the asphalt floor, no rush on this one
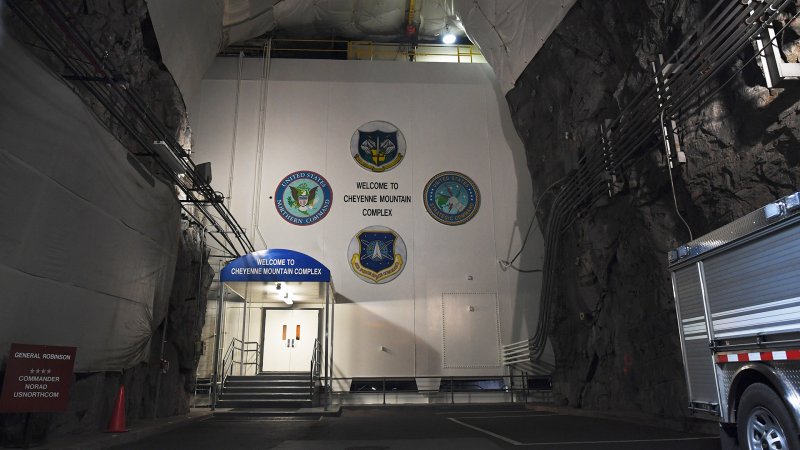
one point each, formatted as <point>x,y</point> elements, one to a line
<point>463,427</point>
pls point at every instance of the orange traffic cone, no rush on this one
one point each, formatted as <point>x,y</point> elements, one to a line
<point>117,424</point>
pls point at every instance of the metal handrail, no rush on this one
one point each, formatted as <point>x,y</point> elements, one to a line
<point>228,361</point>
<point>316,367</point>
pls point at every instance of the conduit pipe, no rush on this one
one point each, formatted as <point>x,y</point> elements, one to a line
<point>71,44</point>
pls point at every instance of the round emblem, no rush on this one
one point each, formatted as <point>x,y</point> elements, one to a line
<point>452,198</point>
<point>378,146</point>
<point>377,254</point>
<point>303,197</point>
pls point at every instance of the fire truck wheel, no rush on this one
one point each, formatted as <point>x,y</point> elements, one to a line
<point>764,422</point>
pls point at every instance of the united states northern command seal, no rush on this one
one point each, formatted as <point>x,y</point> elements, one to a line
<point>377,254</point>
<point>303,197</point>
<point>378,146</point>
<point>452,198</point>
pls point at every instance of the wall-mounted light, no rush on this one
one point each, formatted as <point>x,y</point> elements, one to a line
<point>448,37</point>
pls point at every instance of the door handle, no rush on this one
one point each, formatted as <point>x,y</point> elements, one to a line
<point>292,343</point>
<point>288,343</point>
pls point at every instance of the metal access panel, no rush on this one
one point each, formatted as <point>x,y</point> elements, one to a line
<point>754,288</point>
<point>470,331</point>
<point>692,325</point>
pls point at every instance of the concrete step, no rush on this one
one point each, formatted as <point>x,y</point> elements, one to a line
<point>267,389</point>
<point>235,413</point>
<point>273,376</point>
<point>249,403</point>
<point>267,383</point>
<point>264,396</point>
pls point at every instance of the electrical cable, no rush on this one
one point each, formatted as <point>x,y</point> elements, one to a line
<point>123,106</point>
<point>702,55</point>
<point>671,180</point>
<point>530,227</point>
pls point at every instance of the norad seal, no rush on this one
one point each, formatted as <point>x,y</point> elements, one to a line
<point>303,197</point>
<point>378,146</point>
<point>452,198</point>
<point>377,254</point>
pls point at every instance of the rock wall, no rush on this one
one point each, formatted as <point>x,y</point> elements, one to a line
<point>614,329</point>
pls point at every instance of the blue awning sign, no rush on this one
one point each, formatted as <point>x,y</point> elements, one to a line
<point>276,264</point>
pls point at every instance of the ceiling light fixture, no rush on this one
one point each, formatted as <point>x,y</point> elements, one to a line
<point>448,37</point>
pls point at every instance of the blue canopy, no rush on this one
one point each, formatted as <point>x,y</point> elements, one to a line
<point>276,264</point>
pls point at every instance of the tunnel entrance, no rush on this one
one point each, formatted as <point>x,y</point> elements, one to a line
<point>274,332</point>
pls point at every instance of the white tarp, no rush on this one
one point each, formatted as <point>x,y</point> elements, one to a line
<point>510,32</point>
<point>87,243</point>
<point>189,36</point>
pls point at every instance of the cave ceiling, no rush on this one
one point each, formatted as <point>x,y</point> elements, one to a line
<point>509,33</point>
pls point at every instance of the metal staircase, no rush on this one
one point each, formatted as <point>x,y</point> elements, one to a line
<point>267,390</point>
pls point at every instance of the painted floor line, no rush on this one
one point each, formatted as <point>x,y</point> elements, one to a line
<point>510,417</point>
<point>534,444</point>
<point>495,435</point>
<point>631,441</point>
<point>450,413</point>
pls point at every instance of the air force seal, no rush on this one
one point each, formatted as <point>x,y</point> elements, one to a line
<point>378,146</point>
<point>377,254</point>
<point>452,198</point>
<point>303,198</point>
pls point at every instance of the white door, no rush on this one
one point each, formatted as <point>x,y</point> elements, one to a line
<point>289,339</point>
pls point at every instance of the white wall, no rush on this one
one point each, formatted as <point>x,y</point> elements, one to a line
<point>453,119</point>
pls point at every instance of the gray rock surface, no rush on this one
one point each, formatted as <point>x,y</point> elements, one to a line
<point>742,153</point>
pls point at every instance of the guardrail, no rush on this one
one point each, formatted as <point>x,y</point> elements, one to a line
<point>516,386</point>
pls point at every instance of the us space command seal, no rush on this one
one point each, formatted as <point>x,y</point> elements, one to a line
<point>303,197</point>
<point>452,198</point>
<point>378,146</point>
<point>377,254</point>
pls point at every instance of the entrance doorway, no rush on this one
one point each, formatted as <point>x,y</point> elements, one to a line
<point>289,336</point>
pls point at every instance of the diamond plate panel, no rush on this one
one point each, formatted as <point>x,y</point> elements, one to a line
<point>787,371</point>
<point>739,228</point>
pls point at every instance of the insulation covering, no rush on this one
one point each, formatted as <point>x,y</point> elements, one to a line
<point>350,19</point>
<point>509,33</point>
<point>88,242</point>
<point>189,36</point>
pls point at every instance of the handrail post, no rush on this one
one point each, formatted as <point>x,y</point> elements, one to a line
<point>525,381</point>
<point>511,371</point>
<point>218,340</point>
<point>384,389</point>
<point>452,395</point>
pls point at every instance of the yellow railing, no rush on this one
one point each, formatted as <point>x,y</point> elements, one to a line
<point>368,50</point>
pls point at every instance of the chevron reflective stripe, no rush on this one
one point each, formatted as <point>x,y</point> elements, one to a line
<point>784,355</point>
